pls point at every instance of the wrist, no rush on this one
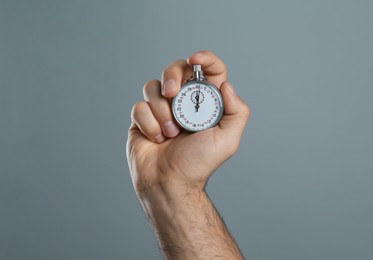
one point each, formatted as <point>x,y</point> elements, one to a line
<point>165,200</point>
<point>169,186</point>
<point>172,193</point>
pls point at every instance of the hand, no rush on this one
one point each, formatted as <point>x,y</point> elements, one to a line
<point>169,167</point>
<point>164,159</point>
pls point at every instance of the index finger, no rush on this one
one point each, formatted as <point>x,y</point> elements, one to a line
<point>213,68</point>
<point>177,72</point>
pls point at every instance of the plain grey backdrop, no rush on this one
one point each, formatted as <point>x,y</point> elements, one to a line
<point>300,187</point>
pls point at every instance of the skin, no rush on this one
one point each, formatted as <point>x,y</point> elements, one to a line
<point>170,167</point>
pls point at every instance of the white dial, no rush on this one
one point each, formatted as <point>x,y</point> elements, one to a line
<point>197,106</point>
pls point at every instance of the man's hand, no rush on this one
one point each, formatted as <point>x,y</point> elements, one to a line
<point>170,167</point>
<point>158,152</point>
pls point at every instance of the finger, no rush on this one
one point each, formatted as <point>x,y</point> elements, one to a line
<point>236,115</point>
<point>213,68</point>
<point>143,118</point>
<point>172,77</point>
<point>160,108</point>
<point>233,104</point>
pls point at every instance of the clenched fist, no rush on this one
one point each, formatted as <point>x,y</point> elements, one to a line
<point>170,167</point>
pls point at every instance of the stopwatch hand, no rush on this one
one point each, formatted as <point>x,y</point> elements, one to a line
<point>197,104</point>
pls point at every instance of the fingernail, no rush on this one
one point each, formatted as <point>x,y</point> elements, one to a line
<point>170,129</point>
<point>169,87</point>
<point>160,138</point>
<point>231,89</point>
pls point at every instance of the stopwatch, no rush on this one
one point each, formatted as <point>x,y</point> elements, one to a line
<point>199,104</point>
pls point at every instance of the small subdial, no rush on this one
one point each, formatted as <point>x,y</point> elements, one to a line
<point>197,97</point>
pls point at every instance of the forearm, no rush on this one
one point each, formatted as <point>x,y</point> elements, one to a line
<point>188,226</point>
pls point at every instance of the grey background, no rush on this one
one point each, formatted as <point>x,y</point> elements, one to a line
<point>300,186</point>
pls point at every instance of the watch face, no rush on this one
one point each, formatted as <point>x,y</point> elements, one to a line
<point>197,106</point>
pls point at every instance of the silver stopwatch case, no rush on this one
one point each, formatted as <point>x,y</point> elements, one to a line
<point>199,104</point>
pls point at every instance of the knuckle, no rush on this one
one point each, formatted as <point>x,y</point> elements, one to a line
<point>212,56</point>
<point>246,110</point>
<point>139,108</point>
<point>172,68</point>
<point>207,52</point>
<point>223,66</point>
<point>153,133</point>
<point>141,116</point>
<point>178,61</point>
<point>149,85</point>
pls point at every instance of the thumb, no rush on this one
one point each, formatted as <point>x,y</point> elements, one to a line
<point>236,114</point>
<point>232,102</point>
